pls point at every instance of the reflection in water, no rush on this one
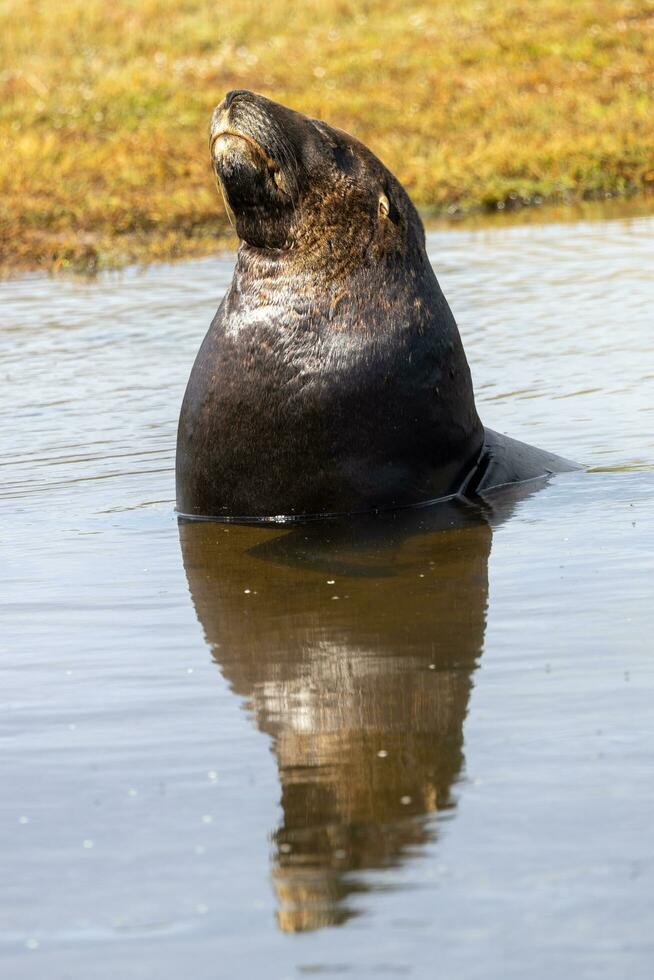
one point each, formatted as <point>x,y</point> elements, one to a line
<point>364,695</point>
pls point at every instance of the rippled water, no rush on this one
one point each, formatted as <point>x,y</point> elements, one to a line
<point>414,747</point>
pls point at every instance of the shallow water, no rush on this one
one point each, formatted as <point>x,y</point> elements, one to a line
<point>417,746</point>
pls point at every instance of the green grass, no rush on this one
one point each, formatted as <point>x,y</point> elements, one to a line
<point>474,104</point>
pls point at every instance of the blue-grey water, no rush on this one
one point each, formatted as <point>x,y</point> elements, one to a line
<point>400,748</point>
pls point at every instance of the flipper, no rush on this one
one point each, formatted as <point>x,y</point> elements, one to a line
<point>504,461</point>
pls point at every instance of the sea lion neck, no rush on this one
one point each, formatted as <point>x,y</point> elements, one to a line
<point>255,264</point>
<point>292,270</point>
<point>326,267</point>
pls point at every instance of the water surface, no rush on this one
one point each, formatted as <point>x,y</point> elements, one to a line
<point>415,746</point>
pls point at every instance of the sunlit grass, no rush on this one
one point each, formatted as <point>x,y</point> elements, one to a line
<point>104,107</point>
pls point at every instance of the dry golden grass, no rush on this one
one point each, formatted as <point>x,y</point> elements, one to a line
<point>104,107</point>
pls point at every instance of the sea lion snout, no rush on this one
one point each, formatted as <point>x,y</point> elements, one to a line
<point>253,143</point>
<point>255,167</point>
<point>229,98</point>
<point>221,118</point>
<point>252,117</point>
<point>223,106</point>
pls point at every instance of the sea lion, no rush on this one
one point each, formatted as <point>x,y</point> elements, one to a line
<point>333,378</point>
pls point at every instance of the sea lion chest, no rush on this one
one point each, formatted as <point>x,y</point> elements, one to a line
<point>309,402</point>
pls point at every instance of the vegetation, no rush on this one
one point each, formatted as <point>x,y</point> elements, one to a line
<point>475,104</point>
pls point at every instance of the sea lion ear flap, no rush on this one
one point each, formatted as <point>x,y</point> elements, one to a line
<point>386,208</point>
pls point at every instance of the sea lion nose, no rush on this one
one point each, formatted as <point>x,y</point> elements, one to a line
<point>234,94</point>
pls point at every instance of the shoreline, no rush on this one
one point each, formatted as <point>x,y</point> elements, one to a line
<point>85,256</point>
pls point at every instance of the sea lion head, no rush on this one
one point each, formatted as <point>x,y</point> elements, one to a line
<point>294,183</point>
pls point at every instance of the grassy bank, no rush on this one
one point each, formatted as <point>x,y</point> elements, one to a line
<point>473,103</point>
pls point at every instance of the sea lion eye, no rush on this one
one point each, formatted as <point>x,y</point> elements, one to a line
<point>384,206</point>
